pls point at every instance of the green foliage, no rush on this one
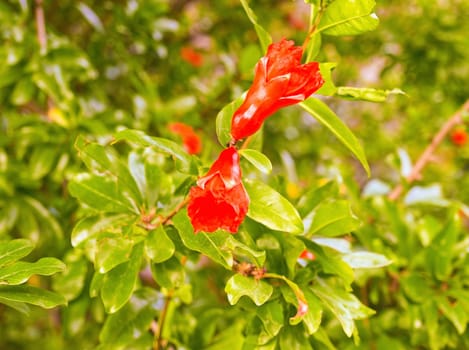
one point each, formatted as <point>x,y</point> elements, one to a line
<point>96,246</point>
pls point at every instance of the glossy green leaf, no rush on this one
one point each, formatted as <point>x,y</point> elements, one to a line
<point>259,160</point>
<point>416,287</point>
<point>18,306</point>
<point>107,161</point>
<point>333,219</point>
<point>238,285</point>
<point>21,271</point>
<point>345,306</point>
<point>210,244</point>
<point>14,250</point>
<point>312,319</point>
<point>91,226</point>
<point>264,36</point>
<point>348,17</point>
<point>112,250</point>
<point>366,94</point>
<point>328,88</point>
<point>271,209</point>
<point>440,253</point>
<point>119,283</point>
<point>158,246</point>
<point>223,121</point>
<point>100,193</point>
<point>271,315</point>
<point>331,262</point>
<point>313,197</point>
<point>23,92</point>
<point>366,260</point>
<point>41,162</point>
<point>314,46</point>
<point>47,220</point>
<point>123,328</point>
<point>455,313</point>
<point>31,295</point>
<point>169,274</point>
<point>184,162</point>
<point>241,250</point>
<point>70,283</point>
<point>329,119</point>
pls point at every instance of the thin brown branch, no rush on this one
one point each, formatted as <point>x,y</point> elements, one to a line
<point>427,154</point>
<point>178,207</point>
<point>158,342</point>
<point>41,26</point>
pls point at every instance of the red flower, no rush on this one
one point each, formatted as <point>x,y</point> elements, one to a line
<point>219,201</point>
<point>280,80</point>
<point>459,137</point>
<point>190,139</point>
<point>191,56</point>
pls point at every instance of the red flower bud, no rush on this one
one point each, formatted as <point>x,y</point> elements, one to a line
<point>190,139</point>
<point>459,137</point>
<point>307,255</point>
<point>191,56</point>
<point>219,201</point>
<point>280,80</point>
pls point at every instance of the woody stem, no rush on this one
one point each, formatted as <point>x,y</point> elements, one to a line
<point>456,118</point>
<point>178,207</point>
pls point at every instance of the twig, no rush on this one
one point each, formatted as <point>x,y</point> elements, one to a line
<point>41,27</point>
<point>427,154</point>
<point>157,344</point>
<point>178,207</point>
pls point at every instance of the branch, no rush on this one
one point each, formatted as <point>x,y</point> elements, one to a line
<point>425,157</point>
<point>41,27</point>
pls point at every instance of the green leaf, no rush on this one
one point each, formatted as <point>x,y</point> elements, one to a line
<point>365,94</point>
<point>329,119</point>
<point>112,250</point>
<point>169,274</point>
<point>91,226</point>
<point>184,162</point>
<point>455,313</point>
<point>119,283</point>
<point>108,162</point>
<point>158,246</point>
<point>41,162</point>
<point>14,250</point>
<point>271,209</point>
<point>31,295</point>
<point>366,260</point>
<point>21,271</point>
<point>312,319</point>
<point>328,88</point>
<point>313,197</point>
<point>223,121</point>
<point>70,283</point>
<point>130,323</point>
<point>345,306</point>
<point>100,193</point>
<point>333,219</point>
<point>440,253</point>
<point>259,160</point>
<point>331,262</point>
<point>239,285</point>
<point>314,46</point>
<point>271,315</point>
<point>416,287</point>
<point>348,17</point>
<point>211,244</point>
<point>264,37</point>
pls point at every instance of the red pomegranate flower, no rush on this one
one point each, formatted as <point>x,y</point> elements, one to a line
<point>280,80</point>
<point>219,200</point>
<point>190,139</point>
<point>459,137</point>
